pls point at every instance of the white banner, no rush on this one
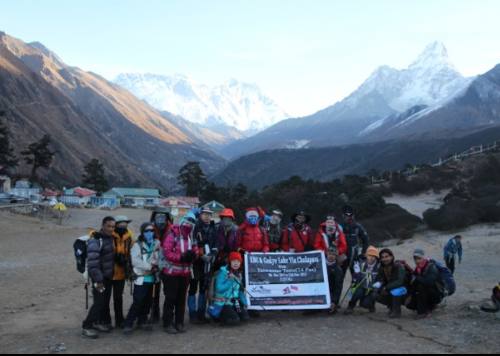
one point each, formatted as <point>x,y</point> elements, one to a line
<point>287,281</point>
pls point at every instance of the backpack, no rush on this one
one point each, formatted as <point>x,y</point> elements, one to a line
<point>80,248</point>
<point>447,279</point>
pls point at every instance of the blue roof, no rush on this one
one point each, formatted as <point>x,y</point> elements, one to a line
<point>134,192</point>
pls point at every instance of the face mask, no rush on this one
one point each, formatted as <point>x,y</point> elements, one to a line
<point>161,220</point>
<point>253,220</point>
<point>227,222</point>
<point>121,230</point>
<point>149,236</point>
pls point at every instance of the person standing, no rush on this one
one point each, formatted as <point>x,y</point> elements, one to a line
<point>227,234</point>
<point>162,222</point>
<point>180,252</point>
<point>453,251</point>
<point>100,267</point>
<point>329,235</point>
<point>357,239</point>
<point>252,238</point>
<point>274,230</point>
<point>298,236</point>
<point>145,260</point>
<point>122,240</point>
<point>205,237</point>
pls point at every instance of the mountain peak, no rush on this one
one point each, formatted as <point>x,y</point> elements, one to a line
<point>434,54</point>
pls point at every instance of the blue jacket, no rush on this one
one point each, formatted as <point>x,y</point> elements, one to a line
<point>453,248</point>
<point>227,289</point>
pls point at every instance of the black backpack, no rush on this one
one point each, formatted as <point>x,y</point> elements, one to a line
<point>80,249</point>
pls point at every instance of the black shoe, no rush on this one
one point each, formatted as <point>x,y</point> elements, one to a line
<point>128,330</point>
<point>90,334</point>
<point>180,329</point>
<point>170,330</point>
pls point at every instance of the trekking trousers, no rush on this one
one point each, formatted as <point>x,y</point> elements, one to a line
<point>100,306</point>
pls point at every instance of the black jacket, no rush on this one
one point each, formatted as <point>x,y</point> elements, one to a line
<point>356,236</point>
<point>206,234</point>
<point>101,257</point>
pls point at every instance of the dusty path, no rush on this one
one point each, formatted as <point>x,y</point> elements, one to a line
<point>419,204</point>
<point>42,305</point>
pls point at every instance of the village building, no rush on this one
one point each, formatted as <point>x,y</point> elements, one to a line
<point>136,197</point>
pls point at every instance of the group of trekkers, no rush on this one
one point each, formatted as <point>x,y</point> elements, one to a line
<point>200,263</point>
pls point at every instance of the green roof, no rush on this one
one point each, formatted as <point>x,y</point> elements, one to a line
<point>134,192</point>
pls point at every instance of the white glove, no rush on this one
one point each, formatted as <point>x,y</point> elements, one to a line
<point>357,268</point>
<point>377,285</point>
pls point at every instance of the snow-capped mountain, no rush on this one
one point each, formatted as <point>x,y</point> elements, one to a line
<point>233,104</point>
<point>388,95</point>
<point>430,80</point>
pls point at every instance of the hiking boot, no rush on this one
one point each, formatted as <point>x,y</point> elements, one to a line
<point>103,328</point>
<point>202,320</point>
<point>171,330</point>
<point>254,314</point>
<point>180,329</point>
<point>155,319</point>
<point>423,316</point>
<point>145,327</point>
<point>128,330</point>
<point>372,309</point>
<point>90,334</point>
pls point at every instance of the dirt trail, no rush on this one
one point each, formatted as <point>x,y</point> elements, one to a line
<point>42,304</point>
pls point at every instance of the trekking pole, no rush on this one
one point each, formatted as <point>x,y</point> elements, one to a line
<point>354,288</point>
<point>86,296</point>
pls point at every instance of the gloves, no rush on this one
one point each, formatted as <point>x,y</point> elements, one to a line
<point>188,257</point>
<point>357,268</point>
<point>377,285</point>
<point>206,258</point>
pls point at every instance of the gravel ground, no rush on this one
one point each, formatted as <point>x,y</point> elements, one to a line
<point>42,304</point>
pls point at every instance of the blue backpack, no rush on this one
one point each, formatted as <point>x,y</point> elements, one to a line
<point>450,286</point>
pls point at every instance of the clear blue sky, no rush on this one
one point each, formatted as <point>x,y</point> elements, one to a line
<point>306,54</point>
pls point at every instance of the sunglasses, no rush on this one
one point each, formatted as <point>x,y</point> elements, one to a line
<point>149,230</point>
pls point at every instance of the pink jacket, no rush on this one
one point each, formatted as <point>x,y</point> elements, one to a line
<point>174,247</point>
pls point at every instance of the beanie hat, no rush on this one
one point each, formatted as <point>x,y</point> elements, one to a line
<point>373,252</point>
<point>235,256</point>
<point>419,253</point>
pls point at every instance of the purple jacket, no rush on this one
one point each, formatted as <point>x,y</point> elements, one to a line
<point>227,243</point>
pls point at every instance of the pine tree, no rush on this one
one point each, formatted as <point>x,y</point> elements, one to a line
<point>193,179</point>
<point>39,155</point>
<point>8,159</point>
<point>94,177</point>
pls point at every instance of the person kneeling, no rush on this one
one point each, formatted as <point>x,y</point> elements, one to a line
<point>426,286</point>
<point>230,304</point>
<point>335,278</point>
<point>145,260</point>
<point>364,279</point>
<point>392,283</point>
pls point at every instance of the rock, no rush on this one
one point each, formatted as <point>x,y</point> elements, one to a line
<point>58,348</point>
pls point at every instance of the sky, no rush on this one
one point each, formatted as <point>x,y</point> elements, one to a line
<point>304,54</point>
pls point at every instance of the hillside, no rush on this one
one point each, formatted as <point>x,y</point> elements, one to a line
<point>89,117</point>
<point>268,167</point>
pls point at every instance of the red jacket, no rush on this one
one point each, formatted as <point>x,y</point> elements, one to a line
<point>300,241</point>
<point>252,239</point>
<point>340,240</point>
